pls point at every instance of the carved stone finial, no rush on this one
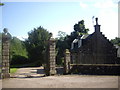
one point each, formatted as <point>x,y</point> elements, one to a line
<point>5,30</point>
<point>96,21</point>
<point>6,35</point>
<point>50,36</point>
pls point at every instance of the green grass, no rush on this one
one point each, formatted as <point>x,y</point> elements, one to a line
<point>13,70</point>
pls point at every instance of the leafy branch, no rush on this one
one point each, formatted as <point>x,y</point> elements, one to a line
<point>1,4</point>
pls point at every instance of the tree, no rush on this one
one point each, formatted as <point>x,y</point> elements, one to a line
<point>18,47</point>
<point>61,35</point>
<point>18,51</point>
<point>1,4</point>
<point>60,47</point>
<point>36,44</point>
<point>0,49</point>
<point>64,41</point>
<point>80,28</point>
<point>116,41</point>
<point>79,31</point>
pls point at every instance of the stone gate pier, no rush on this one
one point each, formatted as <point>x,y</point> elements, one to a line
<point>5,54</point>
<point>50,68</point>
<point>0,55</point>
<point>66,61</point>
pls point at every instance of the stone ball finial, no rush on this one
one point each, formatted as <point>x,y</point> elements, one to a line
<point>5,30</point>
<point>96,21</point>
<point>6,35</point>
<point>50,35</point>
<point>67,51</point>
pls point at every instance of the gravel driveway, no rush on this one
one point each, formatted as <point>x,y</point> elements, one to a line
<point>34,78</point>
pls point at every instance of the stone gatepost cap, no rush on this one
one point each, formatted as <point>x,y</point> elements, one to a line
<point>52,40</point>
<point>67,51</point>
<point>5,30</point>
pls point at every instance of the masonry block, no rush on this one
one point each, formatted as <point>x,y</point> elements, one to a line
<point>5,55</point>
<point>50,68</point>
<point>66,62</point>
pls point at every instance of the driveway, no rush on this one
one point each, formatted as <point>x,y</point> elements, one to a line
<point>34,78</point>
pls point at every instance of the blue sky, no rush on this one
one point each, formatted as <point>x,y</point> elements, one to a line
<point>22,17</point>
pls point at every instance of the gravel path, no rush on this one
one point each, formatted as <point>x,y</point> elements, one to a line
<point>29,72</point>
<point>34,78</point>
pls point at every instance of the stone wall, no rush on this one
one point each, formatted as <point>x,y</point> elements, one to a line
<point>95,69</point>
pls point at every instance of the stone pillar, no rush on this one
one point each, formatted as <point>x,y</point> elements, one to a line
<point>5,54</point>
<point>67,62</point>
<point>0,55</point>
<point>51,62</point>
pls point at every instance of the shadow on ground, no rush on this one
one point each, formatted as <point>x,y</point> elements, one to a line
<point>60,70</point>
<point>36,73</point>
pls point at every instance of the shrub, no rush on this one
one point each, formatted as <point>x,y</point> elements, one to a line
<point>17,59</point>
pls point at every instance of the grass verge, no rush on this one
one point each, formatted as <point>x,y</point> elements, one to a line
<point>13,70</point>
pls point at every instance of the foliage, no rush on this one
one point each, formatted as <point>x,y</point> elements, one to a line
<point>32,64</point>
<point>116,41</point>
<point>17,59</point>
<point>18,51</point>
<point>0,50</point>
<point>80,28</point>
<point>60,47</point>
<point>36,44</point>
<point>61,35</point>
<point>18,47</point>
<point>79,31</point>
<point>1,4</point>
<point>64,41</point>
<point>13,70</point>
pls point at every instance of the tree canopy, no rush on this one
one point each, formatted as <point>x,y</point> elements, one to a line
<point>1,4</point>
<point>18,51</point>
<point>36,44</point>
<point>116,41</point>
<point>64,41</point>
<point>61,35</point>
<point>79,31</point>
<point>34,48</point>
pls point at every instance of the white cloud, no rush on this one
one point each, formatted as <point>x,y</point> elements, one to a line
<point>66,28</point>
<point>22,37</point>
<point>83,5</point>
<point>105,4</point>
<point>40,0</point>
<point>107,13</point>
<point>109,23</point>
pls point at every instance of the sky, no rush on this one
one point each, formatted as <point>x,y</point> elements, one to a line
<point>22,17</point>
